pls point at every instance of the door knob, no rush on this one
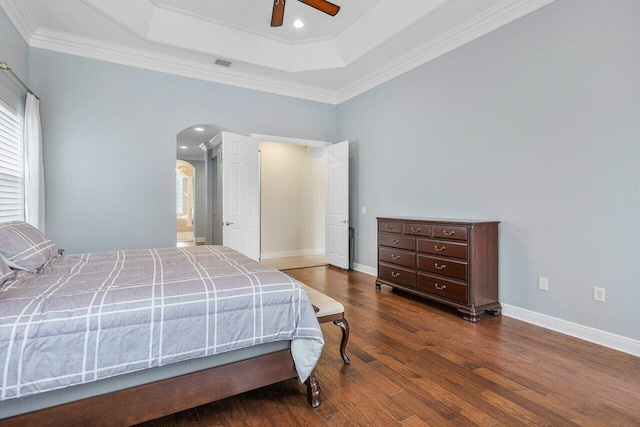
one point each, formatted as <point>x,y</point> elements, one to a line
<point>346,221</point>
<point>228,223</point>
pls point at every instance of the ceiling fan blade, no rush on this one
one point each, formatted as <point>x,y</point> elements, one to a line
<point>323,6</point>
<point>277,16</point>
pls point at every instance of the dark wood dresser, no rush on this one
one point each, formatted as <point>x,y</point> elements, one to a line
<point>453,262</point>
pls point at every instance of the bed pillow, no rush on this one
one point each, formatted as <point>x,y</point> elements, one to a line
<point>24,247</point>
<point>6,272</point>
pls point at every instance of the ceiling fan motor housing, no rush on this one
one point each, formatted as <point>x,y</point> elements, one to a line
<point>277,16</point>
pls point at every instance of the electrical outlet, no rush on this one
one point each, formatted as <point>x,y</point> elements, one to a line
<point>363,210</point>
<point>598,294</point>
<point>543,283</point>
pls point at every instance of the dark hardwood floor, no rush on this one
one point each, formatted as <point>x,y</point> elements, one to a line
<point>414,363</point>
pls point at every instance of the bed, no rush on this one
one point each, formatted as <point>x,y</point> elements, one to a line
<point>124,337</point>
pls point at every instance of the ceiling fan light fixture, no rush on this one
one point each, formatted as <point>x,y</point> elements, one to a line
<point>298,23</point>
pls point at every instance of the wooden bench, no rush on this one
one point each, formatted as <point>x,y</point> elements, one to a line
<point>329,310</point>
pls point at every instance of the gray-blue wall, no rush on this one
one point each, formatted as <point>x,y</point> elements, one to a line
<point>15,52</point>
<point>536,125</point>
<point>110,144</point>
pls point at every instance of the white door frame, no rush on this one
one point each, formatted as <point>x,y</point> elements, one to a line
<point>293,141</point>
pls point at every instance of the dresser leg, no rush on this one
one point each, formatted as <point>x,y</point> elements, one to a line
<point>377,285</point>
<point>471,314</point>
<point>495,311</point>
<point>474,314</point>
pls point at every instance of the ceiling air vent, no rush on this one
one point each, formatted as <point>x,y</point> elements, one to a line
<point>222,63</point>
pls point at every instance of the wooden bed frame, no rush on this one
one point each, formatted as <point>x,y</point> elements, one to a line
<point>146,402</point>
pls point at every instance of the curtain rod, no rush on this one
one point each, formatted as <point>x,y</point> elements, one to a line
<point>5,67</point>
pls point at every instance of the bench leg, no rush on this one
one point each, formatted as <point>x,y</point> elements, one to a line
<point>313,390</point>
<point>342,323</point>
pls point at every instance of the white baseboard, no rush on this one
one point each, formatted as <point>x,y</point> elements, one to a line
<point>198,240</point>
<point>365,269</point>
<point>587,333</point>
<point>286,254</point>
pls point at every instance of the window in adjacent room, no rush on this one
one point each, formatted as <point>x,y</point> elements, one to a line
<point>180,181</point>
<point>11,165</point>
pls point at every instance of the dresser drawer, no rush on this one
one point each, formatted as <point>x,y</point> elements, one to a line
<point>417,229</point>
<point>443,288</point>
<point>444,267</point>
<point>397,256</point>
<point>440,248</point>
<point>390,227</point>
<point>450,232</point>
<point>397,274</point>
<point>400,242</point>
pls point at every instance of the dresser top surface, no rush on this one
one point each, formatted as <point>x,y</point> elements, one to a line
<point>436,220</point>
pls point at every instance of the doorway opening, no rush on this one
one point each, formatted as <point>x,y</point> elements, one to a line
<point>191,186</point>
<point>292,205</point>
<point>185,183</point>
<point>237,186</point>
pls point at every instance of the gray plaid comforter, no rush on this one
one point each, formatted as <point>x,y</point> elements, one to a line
<point>92,316</point>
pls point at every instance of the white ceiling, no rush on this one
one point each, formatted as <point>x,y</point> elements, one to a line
<point>330,60</point>
<point>254,16</point>
<point>192,138</point>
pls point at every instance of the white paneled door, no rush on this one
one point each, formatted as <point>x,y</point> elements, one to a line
<point>337,221</point>
<point>240,194</point>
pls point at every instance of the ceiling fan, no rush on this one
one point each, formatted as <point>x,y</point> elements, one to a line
<point>322,5</point>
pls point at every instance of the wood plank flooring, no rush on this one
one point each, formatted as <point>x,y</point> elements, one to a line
<point>414,363</point>
<point>289,263</point>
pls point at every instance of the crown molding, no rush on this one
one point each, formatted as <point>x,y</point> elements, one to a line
<point>215,140</point>
<point>502,14</point>
<point>20,17</point>
<point>62,42</point>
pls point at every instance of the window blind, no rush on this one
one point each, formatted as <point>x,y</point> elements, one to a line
<point>11,165</point>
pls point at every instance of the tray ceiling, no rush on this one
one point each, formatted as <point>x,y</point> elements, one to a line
<point>330,59</point>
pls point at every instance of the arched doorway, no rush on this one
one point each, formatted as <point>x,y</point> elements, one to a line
<point>185,194</point>
<point>191,149</point>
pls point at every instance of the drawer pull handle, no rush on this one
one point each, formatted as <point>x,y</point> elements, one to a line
<point>440,249</point>
<point>395,256</point>
<point>389,227</point>
<point>416,230</point>
<point>440,267</point>
<point>395,242</point>
<point>441,288</point>
<point>448,233</point>
<point>394,274</point>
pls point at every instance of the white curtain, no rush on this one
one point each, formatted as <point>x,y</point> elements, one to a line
<point>33,170</point>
